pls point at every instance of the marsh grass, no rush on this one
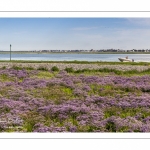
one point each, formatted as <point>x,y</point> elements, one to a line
<point>80,62</point>
<point>44,75</point>
<point>5,78</point>
<point>42,68</point>
<point>101,90</point>
<point>29,68</point>
<point>15,67</point>
<point>54,93</point>
<point>99,74</point>
<point>18,67</point>
<point>6,91</point>
<point>111,90</point>
<point>20,80</point>
<point>5,110</point>
<point>61,93</point>
<point>126,112</point>
<point>107,71</point>
<point>30,119</point>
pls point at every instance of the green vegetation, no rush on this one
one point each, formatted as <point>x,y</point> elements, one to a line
<point>17,67</point>
<point>83,100</point>
<point>29,68</point>
<point>31,118</point>
<point>79,62</point>
<point>69,70</point>
<point>54,68</point>
<point>109,71</point>
<point>5,78</point>
<point>55,93</point>
<point>4,67</point>
<point>44,75</point>
<point>111,90</point>
<point>6,91</point>
<point>125,112</point>
<point>42,68</point>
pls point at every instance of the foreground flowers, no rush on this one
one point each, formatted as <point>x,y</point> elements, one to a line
<point>46,101</point>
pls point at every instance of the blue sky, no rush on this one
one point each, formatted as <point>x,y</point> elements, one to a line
<point>74,33</point>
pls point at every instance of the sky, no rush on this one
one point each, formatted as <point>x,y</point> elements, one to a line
<point>74,33</point>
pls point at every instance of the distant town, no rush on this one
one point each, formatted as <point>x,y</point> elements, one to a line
<point>84,51</point>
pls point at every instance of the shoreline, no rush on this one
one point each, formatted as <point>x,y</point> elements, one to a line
<point>62,66</point>
<point>8,52</point>
<point>78,62</point>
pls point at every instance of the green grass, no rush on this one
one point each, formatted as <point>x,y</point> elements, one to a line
<point>17,67</point>
<point>5,78</point>
<point>111,90</point>
<point>54,93</point>
<point>80,62</point>
<point>42,68</point>
<point>30,119</point>
<point>44,75</point>
<point>108,71</point>
<point>101,90</point>
<point>5,91</point>
<point>29,68</point>
<point>125,112</point>
<point>102,74</point>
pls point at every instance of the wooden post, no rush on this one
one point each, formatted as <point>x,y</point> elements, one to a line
<point>10,52</point>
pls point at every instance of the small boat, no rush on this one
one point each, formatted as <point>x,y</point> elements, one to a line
<point>125,60</point>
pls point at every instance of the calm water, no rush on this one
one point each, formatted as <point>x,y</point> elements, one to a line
<point>79,57</point>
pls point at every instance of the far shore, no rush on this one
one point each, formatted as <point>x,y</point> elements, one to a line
<point>23,52</point>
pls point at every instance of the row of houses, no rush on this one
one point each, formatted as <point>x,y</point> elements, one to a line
<point>101,50</point>
<point>91,50</point>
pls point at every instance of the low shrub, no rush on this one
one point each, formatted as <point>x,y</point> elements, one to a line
<point>4,67</point>
<point>69,70</point>
<point>42,68</point>
<point>17,67</point>
<point>29,68</point>
<point>54,68</point>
